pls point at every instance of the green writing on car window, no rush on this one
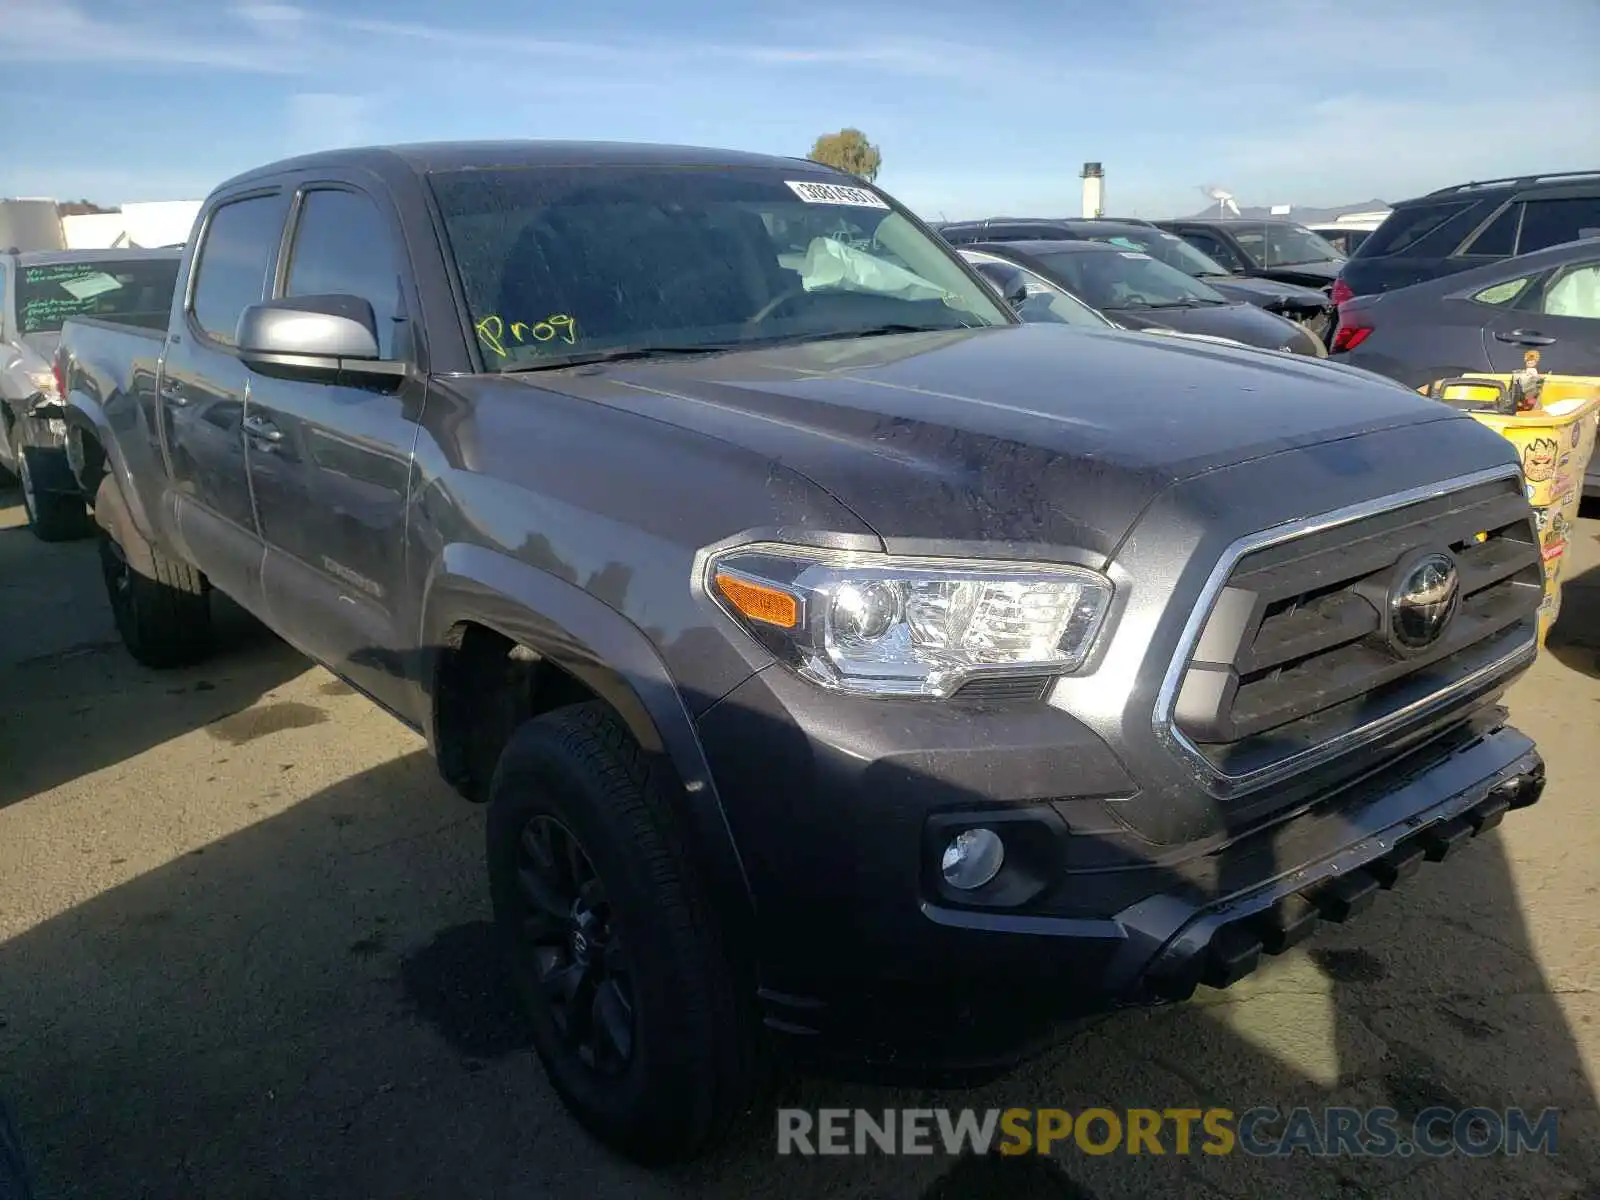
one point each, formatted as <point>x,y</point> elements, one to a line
<point>493,332</point>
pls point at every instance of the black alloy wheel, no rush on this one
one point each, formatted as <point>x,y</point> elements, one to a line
<point>574,952</point>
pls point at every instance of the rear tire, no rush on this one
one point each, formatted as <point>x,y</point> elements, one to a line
<point>53,516</point>
<point>692,1064</point>
<point>164,616</point>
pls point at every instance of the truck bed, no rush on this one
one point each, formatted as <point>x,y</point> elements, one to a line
<point>144,325</point>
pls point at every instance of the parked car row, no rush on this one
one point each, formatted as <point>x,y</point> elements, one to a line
<point>1133,290</point>
<point>828,642</point>
<point>1253,311</point>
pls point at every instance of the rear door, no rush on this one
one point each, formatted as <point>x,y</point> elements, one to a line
<point>330,462</point>
<point>1557,317</point>
<point>204,389</point>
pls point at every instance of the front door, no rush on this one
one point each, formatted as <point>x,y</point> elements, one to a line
<point>330,462</point>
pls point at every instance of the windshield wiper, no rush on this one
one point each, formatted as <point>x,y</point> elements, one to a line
<point>624,354</point>
<point>633,353</point>
<point>892,327</point>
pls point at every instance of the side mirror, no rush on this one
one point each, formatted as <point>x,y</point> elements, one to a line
<point>318,337</point>
<point>1011,283</point>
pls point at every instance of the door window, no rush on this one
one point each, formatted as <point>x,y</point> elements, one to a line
<point>241,241</point>
<point>1552,222</point>
<point>1575,293</point>
<point>1217,249</point>
<point>342,247</point>
<point>1499,238</point>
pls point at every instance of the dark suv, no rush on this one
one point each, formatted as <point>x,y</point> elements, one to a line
<point>1471,225</point>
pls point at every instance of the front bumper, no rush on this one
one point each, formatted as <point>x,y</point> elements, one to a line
<point>863,961</point>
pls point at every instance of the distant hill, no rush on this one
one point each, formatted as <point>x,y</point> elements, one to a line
<point>1306,215</point>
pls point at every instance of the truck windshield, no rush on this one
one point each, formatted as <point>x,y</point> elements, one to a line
<point>134,291</point>
<point>1168,248</point>
<point>1123,279</point>
<point>564,263</point>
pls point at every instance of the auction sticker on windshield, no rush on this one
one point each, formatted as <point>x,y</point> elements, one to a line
<point>1133,254</point>
<point>835,193</point>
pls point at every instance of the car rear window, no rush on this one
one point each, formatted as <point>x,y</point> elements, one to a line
<point>129,290</point>
<point>1405,229</point>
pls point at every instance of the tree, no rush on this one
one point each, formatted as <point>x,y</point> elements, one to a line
<point>848,150</point>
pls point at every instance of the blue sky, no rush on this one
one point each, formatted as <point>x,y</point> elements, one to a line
<point>979,108</point>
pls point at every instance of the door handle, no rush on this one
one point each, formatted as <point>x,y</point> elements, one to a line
<point>173,394</point>
<point>1526,337</point>
<point>258,427</point>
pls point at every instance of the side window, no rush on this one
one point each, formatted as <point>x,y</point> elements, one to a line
<point>240,241</point>
<point>1499,238</point>
<point>5,319</point>
<point>1216,248</point>
<point>1575,293</point>
<point>342,246</point>
<point>1253,242</point>
<point>1551,222</point>
<point>1503,294</point>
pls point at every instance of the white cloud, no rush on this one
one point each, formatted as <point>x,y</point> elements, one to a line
<point>326,121</point>
<point>53,31</point>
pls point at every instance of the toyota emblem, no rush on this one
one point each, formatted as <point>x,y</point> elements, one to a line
<point>1423,600</point>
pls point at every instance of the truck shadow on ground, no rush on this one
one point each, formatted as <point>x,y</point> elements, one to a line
<point>72,701</point>
<point>312,1006</point>
<point>1575,637</point>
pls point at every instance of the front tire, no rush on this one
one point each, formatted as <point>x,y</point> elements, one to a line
<point>162,609</point>
<point>638,1014</point>
<point>52,516</point>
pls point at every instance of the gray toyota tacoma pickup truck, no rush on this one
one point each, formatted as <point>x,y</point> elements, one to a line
<point>846,665</point>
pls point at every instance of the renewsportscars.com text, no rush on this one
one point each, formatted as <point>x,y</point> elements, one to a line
<point>1259,1132</point>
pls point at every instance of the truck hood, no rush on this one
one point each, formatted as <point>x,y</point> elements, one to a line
<point>1239,321</point>
<point>1310,274</point>
<point>1266,292</point>
<point>1035,435</point>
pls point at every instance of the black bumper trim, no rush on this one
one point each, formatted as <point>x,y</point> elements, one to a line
<point>1223,945</point>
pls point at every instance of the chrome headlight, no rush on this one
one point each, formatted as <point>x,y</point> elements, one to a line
<point>877,625</point>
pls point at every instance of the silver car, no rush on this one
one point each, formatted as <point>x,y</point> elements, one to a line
<point>38,291</point>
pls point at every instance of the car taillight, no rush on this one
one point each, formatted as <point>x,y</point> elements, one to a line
<point>1341,292</point>
<point>60,372</point>
<point>1351,333</point>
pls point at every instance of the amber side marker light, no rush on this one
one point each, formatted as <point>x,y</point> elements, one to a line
<point>768,605</point>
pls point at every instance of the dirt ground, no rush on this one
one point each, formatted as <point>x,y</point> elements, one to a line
<point>244,953</point>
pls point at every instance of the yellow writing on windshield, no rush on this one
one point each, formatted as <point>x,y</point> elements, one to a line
<point>493,331</point>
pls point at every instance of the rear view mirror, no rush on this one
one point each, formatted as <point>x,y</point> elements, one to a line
<point>1011,283</point>
<point>313,336</point>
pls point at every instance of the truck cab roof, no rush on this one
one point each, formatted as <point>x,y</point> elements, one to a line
<point>427,157</point>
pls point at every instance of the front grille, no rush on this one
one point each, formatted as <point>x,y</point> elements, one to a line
<point>1296,652</point>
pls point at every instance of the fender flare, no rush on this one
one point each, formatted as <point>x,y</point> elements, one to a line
<point>84,417</point>
<point>613,657</point>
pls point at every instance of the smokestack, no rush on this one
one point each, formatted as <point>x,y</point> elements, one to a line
<point>1094,190</point>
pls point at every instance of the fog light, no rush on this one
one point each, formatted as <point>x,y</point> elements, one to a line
<point>972,858</point>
